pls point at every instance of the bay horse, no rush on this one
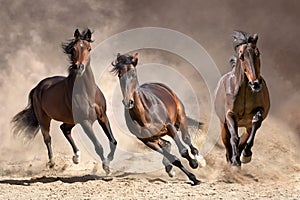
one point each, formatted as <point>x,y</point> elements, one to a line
<point>242,99</point>
<point>153,110</point>
<point>71,100</point>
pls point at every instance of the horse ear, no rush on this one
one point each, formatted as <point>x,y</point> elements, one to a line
<point>76,34</point>
<point>88,35</point>
<point>255,37</point>
<point>135,59</point>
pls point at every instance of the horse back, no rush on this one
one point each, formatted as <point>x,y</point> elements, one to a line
<point>166,96</point>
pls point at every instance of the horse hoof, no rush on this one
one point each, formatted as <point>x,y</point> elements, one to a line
<point>50,164</point>
<point>245,159</point>
<point>194,163</point>
<point>172,173</point>
<point>75,160</point>
<point>76,157</point>
<point>196,182</point>
<point>201,160</point>
<point>105,166</point>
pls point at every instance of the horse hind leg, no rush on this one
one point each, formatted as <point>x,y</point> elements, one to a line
<point>104,123</point>
<point>187,139</point>
<point>66,129</point>
<point>45,128</point>
<point>182,149</point>
<point>172,159</point>
<point>166,145</point>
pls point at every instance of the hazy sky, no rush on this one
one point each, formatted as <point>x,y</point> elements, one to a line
<point>32,32</point>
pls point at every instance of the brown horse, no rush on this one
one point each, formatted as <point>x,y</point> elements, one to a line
<point>152,111</point>
<point>242,99</point>
<point>71,100</point>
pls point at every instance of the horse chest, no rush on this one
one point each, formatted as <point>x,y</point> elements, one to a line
<point>245,105</point>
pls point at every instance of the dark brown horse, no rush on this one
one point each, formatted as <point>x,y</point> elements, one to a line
<point>242,99</point>
<point>71,100</point>
<point>152,111</point>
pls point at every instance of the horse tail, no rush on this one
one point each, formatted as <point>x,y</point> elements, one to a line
<point>25,122</point>
<point>194,123</point>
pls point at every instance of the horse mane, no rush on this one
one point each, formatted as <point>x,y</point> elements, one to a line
<point>119,62</point>
<point>233,61</point>
<point>68,46</point>
<point>241,37</point>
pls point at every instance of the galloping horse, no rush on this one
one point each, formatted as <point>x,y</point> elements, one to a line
<point>242,99</point>
<point>153,110</point>
<point>71,100</point>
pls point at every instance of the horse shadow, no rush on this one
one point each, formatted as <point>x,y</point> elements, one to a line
<point>44,179</point>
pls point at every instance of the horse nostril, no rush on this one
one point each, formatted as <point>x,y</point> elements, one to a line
<point>255,85</point>
<point>130,102</point>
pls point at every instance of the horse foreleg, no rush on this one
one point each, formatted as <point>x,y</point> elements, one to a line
<point>256,123</point>
<point>173,159</point>
<point>104,122</point>
<point>182,149</point>
<point>234,138</point>
<point>168,166</point>
<point>66,129</point>
<point>87,127</point>
<point>242,144</point>
<point>225,134</point>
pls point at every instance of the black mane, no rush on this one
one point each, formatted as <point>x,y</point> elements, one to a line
<point>120,62</point>
<point>241,37</point>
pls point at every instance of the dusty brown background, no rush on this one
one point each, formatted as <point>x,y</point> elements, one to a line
<point>31,34</point>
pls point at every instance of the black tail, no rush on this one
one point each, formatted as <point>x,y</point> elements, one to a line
<point>194,123</point>
<point>25,122</point>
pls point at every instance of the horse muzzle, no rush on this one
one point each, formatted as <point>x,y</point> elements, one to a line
<point>255,85</point>
<point>81,69</point>
<point>128,103</point>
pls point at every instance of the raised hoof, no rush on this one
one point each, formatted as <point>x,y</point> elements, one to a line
<point>105,166</point>
<point>170,172</point>
<point>76,159</point>
<point>245,159</point>
<point>193,163</point>
<point>201,161</point>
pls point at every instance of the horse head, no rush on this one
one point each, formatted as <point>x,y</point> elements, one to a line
<point>79,50</point>
<point>249,57</point>
<point>125,68</point>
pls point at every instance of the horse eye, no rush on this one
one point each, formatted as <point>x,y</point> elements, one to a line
<point>242,57</point>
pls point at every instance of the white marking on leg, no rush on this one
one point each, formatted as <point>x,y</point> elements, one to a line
<point>76,157</point>
<point>200,159</point>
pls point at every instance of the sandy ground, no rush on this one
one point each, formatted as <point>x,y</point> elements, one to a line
<point>274,173</point>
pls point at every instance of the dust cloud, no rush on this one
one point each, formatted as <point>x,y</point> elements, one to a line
<point>32,32</point>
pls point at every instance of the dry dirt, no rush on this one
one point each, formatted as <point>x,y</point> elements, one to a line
<point>274,173</point>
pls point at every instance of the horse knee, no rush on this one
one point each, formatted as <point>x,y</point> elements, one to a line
<point>184,153</point>
<point>234,139</point>
<point>177,163</point>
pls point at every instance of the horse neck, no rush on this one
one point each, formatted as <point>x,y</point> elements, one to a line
<point>88,75</point>
<point>86,81</point>
<point>239,75</point>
